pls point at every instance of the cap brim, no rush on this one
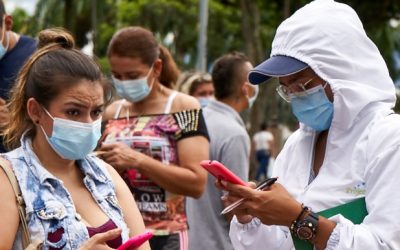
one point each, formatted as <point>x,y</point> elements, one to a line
<point>275,66</point>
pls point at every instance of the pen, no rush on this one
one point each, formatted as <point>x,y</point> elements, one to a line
<point>266,183</point>
<point>97,153</point>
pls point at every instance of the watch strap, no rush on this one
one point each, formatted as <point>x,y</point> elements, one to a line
<point>305,227</point>
<point>354,210</point>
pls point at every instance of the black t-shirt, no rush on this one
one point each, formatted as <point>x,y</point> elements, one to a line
<point>12,62</point>
<point>10,65</point>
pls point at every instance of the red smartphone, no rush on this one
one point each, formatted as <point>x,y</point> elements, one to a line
<point>221,172</point>
<point>136,241</point>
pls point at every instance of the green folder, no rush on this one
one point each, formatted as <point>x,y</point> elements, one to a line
<point>354,211</point>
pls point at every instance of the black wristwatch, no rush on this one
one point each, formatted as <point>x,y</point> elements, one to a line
<point>305,228</point>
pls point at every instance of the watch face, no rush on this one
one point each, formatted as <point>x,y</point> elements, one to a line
<point>304,233</point>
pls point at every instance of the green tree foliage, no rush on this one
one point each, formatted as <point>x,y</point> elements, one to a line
<point>234,25</point>
<point>20,20</point>
<point>74,15</point>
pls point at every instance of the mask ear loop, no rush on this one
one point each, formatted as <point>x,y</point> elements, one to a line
<point>147,77</point>
<point>127,115</point>
<point>8,39</point>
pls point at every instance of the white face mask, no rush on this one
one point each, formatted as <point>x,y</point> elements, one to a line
<point>134,90</point>
<point>3,50</point>
<point>252,99</point>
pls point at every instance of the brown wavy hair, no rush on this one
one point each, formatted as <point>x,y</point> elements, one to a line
<point>55,66</point>
<point>138,42</point>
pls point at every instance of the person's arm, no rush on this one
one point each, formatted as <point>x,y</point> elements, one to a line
<point>272,146</point>
<point>8,213</point>
<point>189,178</point>
<point>132,215</point>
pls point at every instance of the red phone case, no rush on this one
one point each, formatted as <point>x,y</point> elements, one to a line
<point>136,241</point>
<point>221,172</point>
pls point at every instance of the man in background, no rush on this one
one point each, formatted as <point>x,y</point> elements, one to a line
<point>263,142</point>
<point>14,51</point>
<point>229,144</point>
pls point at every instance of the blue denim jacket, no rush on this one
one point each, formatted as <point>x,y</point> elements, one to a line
<point>49,206</point>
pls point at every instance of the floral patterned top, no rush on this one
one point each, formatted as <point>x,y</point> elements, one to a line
<point>156,136</point>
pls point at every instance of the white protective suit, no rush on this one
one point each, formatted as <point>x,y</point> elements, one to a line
<point>362,154</point>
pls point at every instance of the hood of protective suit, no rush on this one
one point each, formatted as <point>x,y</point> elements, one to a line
<point>330,38</point>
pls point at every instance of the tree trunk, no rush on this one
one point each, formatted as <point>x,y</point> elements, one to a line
<point>286,9</point>
<point>68,17</point>
<point>256,53</point>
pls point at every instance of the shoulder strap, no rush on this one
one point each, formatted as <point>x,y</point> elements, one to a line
<point>20,201</point>
<point>118,111</point>
<point>168,106</point>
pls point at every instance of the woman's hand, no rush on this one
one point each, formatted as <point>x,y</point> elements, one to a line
<point>241,214</point>
<point>98,241</point>
<point>120,156</point>
<point>273,206</point>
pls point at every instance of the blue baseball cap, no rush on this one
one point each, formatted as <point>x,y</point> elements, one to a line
<point>275,66</point>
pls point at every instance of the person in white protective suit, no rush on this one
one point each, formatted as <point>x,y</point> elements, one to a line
<point>338,174</point>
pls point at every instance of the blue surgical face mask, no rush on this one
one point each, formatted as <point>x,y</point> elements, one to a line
<point>253,98</point>
<point>73,140</point>
<point>204,101</point>
<point>3,50</point>
<point>313,108</point>
<point>134,90</point>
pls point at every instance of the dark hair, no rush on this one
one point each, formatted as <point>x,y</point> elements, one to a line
<point>55,66</point>
<point>191,80</point>
<point>228,73</point>
<point>138,42</point>
<point>2,12</point>
<point>264,126</point>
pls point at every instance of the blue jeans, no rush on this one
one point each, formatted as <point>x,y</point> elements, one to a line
<point>262,157</point>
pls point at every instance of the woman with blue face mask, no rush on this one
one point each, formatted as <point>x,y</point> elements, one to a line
<point>199,85</point>
<point>70,195</point>
<point>154,136</point>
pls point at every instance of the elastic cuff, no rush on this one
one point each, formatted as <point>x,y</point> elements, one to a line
<point>334,238</point>
<point>254,223</point>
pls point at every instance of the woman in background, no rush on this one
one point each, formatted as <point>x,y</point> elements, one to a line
<point>197,84</point>
<point>155,137</point>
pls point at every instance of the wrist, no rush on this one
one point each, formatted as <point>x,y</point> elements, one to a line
<point>293,214</point>
<point>305,225</point>
<point>138,161</point>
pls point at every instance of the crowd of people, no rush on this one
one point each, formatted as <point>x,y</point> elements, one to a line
<point>99,161</point>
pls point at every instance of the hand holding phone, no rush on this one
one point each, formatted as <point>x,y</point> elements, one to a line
<point>221,172</point>
<point>136,241</point>
<point>264,184</point>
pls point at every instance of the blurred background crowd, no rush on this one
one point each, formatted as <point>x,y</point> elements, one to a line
<point>199,31</point>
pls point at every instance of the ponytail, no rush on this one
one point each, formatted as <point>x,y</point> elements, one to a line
<point>170,72</point>
<point>55,66</point>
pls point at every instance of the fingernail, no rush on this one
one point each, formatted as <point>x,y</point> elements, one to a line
<point>224,182</point>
